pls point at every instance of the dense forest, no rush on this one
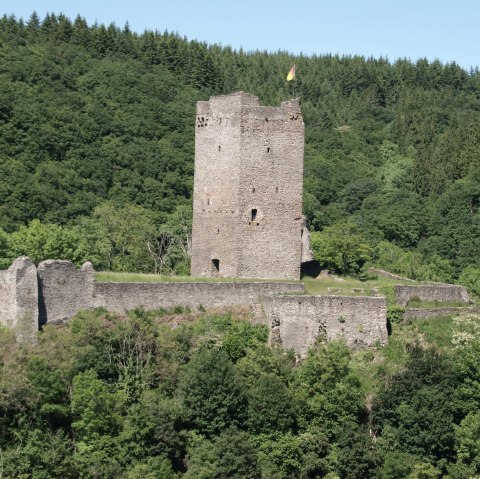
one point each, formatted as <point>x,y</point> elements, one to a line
<point>176,394</point>
<point>97,146</point>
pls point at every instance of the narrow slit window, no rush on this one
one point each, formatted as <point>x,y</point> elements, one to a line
<point>268,149</point>
<point>254,214</point>
<point>215,267</point>
<point>253,190</point>
<point>219,147</point>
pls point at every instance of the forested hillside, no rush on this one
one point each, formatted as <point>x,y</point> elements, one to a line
<point>96,147</point>
<point>115,397</point>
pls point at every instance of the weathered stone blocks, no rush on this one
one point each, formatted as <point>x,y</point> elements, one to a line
<point>297,322</point>
<point>247,200</point>
<point>124,296</point>
<point>19,299</point>
<point>433,292</point>
<point>64,290</point>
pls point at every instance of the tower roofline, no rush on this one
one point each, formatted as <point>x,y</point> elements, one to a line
<point>241,99</point>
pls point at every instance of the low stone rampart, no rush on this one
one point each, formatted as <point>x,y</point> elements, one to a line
<point>433,292</point>
<point>297,322</point>
<point>64,290</point>
<point>427,313</point>
<point>124,296</point>
<point>19,299</point>
<point>386,274</point>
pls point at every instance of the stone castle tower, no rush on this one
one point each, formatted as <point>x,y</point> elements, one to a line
<point>247,202</point>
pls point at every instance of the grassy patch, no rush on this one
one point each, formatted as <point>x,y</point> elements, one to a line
<point>438,331</point>
<point>347,286</point>
<point>390,359</point>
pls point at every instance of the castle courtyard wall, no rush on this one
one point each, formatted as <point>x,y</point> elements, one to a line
<point>56,291</point>
<point>427,313</point>
<point>298,322</point>
<point>433,292</point>
<point>120,297</point>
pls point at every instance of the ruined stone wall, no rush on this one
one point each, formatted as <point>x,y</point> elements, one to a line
<point>434,292</point>
<point>57,290</point>
<point>360,320</point>
<point>297,322</point>
<point>386,274</point>
<point>124,296</point>
<point>19,299</point>
<point>247,211</point>
<point>64,290</point>
<point>427,313</point>
<point>6,298</point>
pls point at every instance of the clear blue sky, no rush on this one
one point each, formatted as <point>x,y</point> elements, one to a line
<point>445,29</point>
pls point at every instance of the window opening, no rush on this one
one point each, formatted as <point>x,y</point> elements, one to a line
<point>268,149</point>
<point>219,147</point>
<point>253,190</point>
<point>254,214</point>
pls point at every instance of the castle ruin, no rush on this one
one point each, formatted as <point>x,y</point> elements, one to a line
<point>247,200</point>
<point>247,223</point>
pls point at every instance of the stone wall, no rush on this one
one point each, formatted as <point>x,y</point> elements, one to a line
<point>7,300</point>
<point>427,313</point>
<point>434,292</point>
<point>386,274</point>
<point>124,296</point>
<point>64,290</point>
<point>247,200</point>
<point>298,321</point>
<point>19,299</point>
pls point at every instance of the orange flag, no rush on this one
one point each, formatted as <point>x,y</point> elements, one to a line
<point>291,74</point>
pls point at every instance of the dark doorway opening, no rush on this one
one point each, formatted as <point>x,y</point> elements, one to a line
<point>254,215</point>
<point>215,268</point>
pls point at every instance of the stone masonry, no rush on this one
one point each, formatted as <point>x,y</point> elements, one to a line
<point>247,201</point>
<point>54,293</point>
<point>19,299</point>
<point>433,292</point>
<point>298,322</point>
<point>64,290</point>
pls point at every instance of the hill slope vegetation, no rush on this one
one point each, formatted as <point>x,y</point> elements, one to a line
<point>96,148</point>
